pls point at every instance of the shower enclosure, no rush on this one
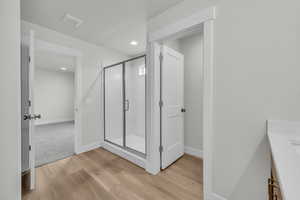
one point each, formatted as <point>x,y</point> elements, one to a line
<point>125,105</point>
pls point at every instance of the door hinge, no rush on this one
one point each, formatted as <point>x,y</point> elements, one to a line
<point>29,59</point>
<point>161,103</point>
<point>29,103</point>
<point>29,147</point>
<point>161,148</point>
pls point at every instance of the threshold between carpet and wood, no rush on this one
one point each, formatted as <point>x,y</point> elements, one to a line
<point>101,175</point>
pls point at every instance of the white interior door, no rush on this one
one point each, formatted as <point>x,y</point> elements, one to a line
<point>28,116</point>
<point>31,109</point>
<point>172,88</point>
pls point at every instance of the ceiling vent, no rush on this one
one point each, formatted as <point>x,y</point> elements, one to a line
<point>76,22</point>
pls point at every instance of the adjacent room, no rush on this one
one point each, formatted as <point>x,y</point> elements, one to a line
<point>181,93</point>
<point>54,93</point>
<point>149,100</point>
<point>92,110</point>
<point>190,47</point>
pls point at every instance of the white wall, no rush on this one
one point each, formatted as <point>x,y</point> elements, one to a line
<point>192,48</point>
<point>10,118</point>
<point>173,44</point>
<point>54,95</point>
<point>93,56</point>
<point>135,93</point>
<point>256,78</point>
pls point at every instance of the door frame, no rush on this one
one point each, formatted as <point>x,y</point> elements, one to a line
<point>51,47</point>
<point>205,19</point>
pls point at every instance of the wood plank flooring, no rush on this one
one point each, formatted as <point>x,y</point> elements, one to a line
<point>101,175</point>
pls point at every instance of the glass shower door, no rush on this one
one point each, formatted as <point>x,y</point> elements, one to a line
<point>134,105</point>
<point>113,105</point>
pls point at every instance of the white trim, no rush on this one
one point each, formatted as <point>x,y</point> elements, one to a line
<point>124,154</point>
<point>47,46</point>
<point>89,147</point>
<point>215,196</point>
<point>39,123</point>
<point>77,105</point>
<point>152,124</point>
<point>193,152</point>
<point>208,98</point>
<point>204,18</point>
<point>42,45</point>
<point>100,74</point>
<point>19,131</point>
<point>188,23</point>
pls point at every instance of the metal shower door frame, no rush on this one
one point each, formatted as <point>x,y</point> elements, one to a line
<point>123,63</point>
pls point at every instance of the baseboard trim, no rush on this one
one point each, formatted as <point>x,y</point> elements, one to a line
<point>37,123</point>
<point>89,147</point>
<point>215,196</point>
<point>194,152</point>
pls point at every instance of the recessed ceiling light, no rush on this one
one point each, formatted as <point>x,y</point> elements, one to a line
<point>63,68</point>
<point>134,43</point>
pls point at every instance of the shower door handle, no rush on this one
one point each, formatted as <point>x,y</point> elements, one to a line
<point>126,105</point>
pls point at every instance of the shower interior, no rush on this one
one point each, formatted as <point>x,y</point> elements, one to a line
<point>125,104</point>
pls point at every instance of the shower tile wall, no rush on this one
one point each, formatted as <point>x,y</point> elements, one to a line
<point>135,94</point>
<point>114,105</point>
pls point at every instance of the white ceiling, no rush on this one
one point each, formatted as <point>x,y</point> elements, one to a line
<point>112,23</point>
<point>53,61</point>
<point>155,7</point>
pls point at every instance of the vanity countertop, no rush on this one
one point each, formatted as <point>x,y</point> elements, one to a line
<point>284,138</point>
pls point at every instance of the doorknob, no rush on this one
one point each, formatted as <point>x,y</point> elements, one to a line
<point>37,116</point>
<point>27,117</point>
<point>183,110</point>
<point>31,117</point>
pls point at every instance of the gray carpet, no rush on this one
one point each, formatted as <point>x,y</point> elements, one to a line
<point>53,142</point>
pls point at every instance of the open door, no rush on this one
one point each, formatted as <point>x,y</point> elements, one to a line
<point>172,103</point>
<point>28,116</point>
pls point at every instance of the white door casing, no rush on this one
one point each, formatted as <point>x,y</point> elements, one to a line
<point>172,96</point>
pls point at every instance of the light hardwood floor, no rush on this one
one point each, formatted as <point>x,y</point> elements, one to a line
<point>101,175</point>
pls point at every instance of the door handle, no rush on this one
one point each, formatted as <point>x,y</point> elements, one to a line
<point>27,117</point>
<point>37,116</point>
<point>32,117</point>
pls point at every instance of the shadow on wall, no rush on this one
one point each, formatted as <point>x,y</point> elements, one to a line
<point>254,170</point>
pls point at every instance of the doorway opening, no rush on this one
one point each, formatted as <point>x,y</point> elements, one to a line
<point>162,115</point>
<point>181,94</point>
<point>54,94</point>
<point>50,94</point>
